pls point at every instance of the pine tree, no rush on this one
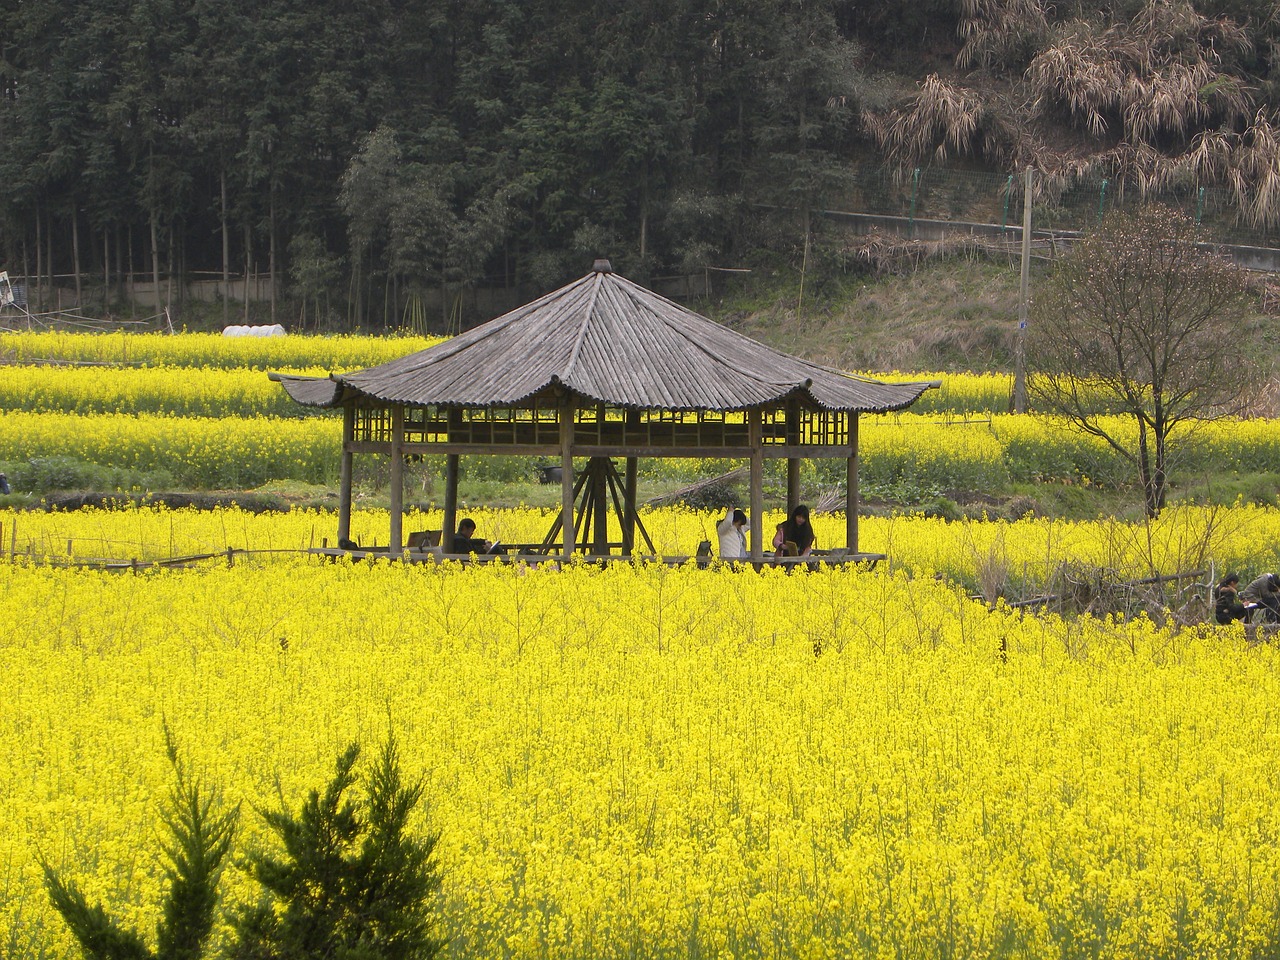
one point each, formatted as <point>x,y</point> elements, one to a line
<point>200,839</point>
<point>352,882</point>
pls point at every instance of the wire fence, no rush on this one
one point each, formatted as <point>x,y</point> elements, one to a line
<point>989,197</point>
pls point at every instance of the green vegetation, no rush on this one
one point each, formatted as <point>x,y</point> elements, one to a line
<point>949,313</point>
<point>433,148</point>
<point>200,838</point>
<point>1139,313</point>
<point>353,881</point>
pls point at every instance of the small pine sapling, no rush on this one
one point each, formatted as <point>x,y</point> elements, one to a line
<point>200,838</point>
<point>352,881</point>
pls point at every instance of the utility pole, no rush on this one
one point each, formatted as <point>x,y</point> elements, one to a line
<point>1020,345</point>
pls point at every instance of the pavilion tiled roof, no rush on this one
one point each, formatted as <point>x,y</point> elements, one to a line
<point>607,340</point>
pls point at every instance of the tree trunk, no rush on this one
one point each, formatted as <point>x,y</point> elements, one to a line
<point>644,216</point>
<point>106,270</point>
<point>121,280</point>
<point>1146,477</point>
<point>155,257</point>
<point>155,230</point>
<point>272,253</point>
<point>226,250</point>
<point>133,276</point>
<point>171,269</point>
<point>39,297</point>
<point>26,266</point>
<point>75,254</point>
<point>1160,475</point>
<point>248,254</point>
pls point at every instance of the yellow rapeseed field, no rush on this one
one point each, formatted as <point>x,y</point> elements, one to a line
<point>644,761</point>
<point>1021,554</point>
<point>338,353</point>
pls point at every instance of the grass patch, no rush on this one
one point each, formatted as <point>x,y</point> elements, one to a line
<point>950,314</point>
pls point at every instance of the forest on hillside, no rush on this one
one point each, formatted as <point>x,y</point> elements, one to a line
<point>364,150</point>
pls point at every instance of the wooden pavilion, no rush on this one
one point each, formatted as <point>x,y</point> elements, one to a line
<point>601,368</point>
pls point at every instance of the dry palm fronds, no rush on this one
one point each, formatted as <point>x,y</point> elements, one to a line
<point>941,121</point>
<point>1181,96</point>
<point>1176,26</point>
<point>891,254</point>
<point>1210,155</point>
<point>1160,74</point>
<point>1141,164</point>
<point>1000,32</point>
<point>1254,172</point>
<point>1248,163</point>
<point>1082,71</point>
<point>1160,98</point>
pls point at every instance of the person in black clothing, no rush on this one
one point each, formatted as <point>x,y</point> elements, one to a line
<point>794,537</point>
<point>1227,605</point>
<point>466,541</point>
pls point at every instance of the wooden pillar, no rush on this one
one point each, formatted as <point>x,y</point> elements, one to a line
<point>397,492</point>
<point>793,463</point>
<point>566,476</point>
<point>449,524</point>
<point>851,487</point>
<point>397,479</point>
<point>600,485</point>
<point>629,507</point>
<point>757,483</point>
<point>345,471</point>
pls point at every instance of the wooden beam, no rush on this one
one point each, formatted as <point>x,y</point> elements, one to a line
<point>793,462</point>
<point>615,450</point>
<point>629,507</point>
<point>479,449</point>
<point>772,451</point>
<point>345,472</point>
<point>851,504</point>
<point>397,479</point>
<point>600,497</point>
<point>757,485</point>
<point>566,475</point>
<point>449,523</point>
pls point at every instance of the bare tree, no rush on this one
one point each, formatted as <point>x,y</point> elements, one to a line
<point>1141,321</point>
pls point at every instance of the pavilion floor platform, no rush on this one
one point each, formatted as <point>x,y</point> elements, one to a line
<point>828,558</point>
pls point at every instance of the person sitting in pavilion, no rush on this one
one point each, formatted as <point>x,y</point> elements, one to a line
<point>733,535</point>
<point>794,536</point>
<point>465,540</point>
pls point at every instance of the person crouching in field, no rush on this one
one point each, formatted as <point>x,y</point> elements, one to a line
<point>1265,592</point>
<point>1227,605</point>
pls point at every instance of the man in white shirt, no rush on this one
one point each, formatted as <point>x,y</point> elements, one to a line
<point>733,535</point>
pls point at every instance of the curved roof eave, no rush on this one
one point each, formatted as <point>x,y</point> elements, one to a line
<point>906,395</point>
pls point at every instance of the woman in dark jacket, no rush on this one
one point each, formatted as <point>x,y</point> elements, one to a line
<point>795,530</point>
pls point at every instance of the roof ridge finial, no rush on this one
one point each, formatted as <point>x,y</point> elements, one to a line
<point>602,266</point>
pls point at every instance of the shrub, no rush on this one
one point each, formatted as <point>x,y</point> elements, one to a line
<point>201,839</point>
<point>352,882</point>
